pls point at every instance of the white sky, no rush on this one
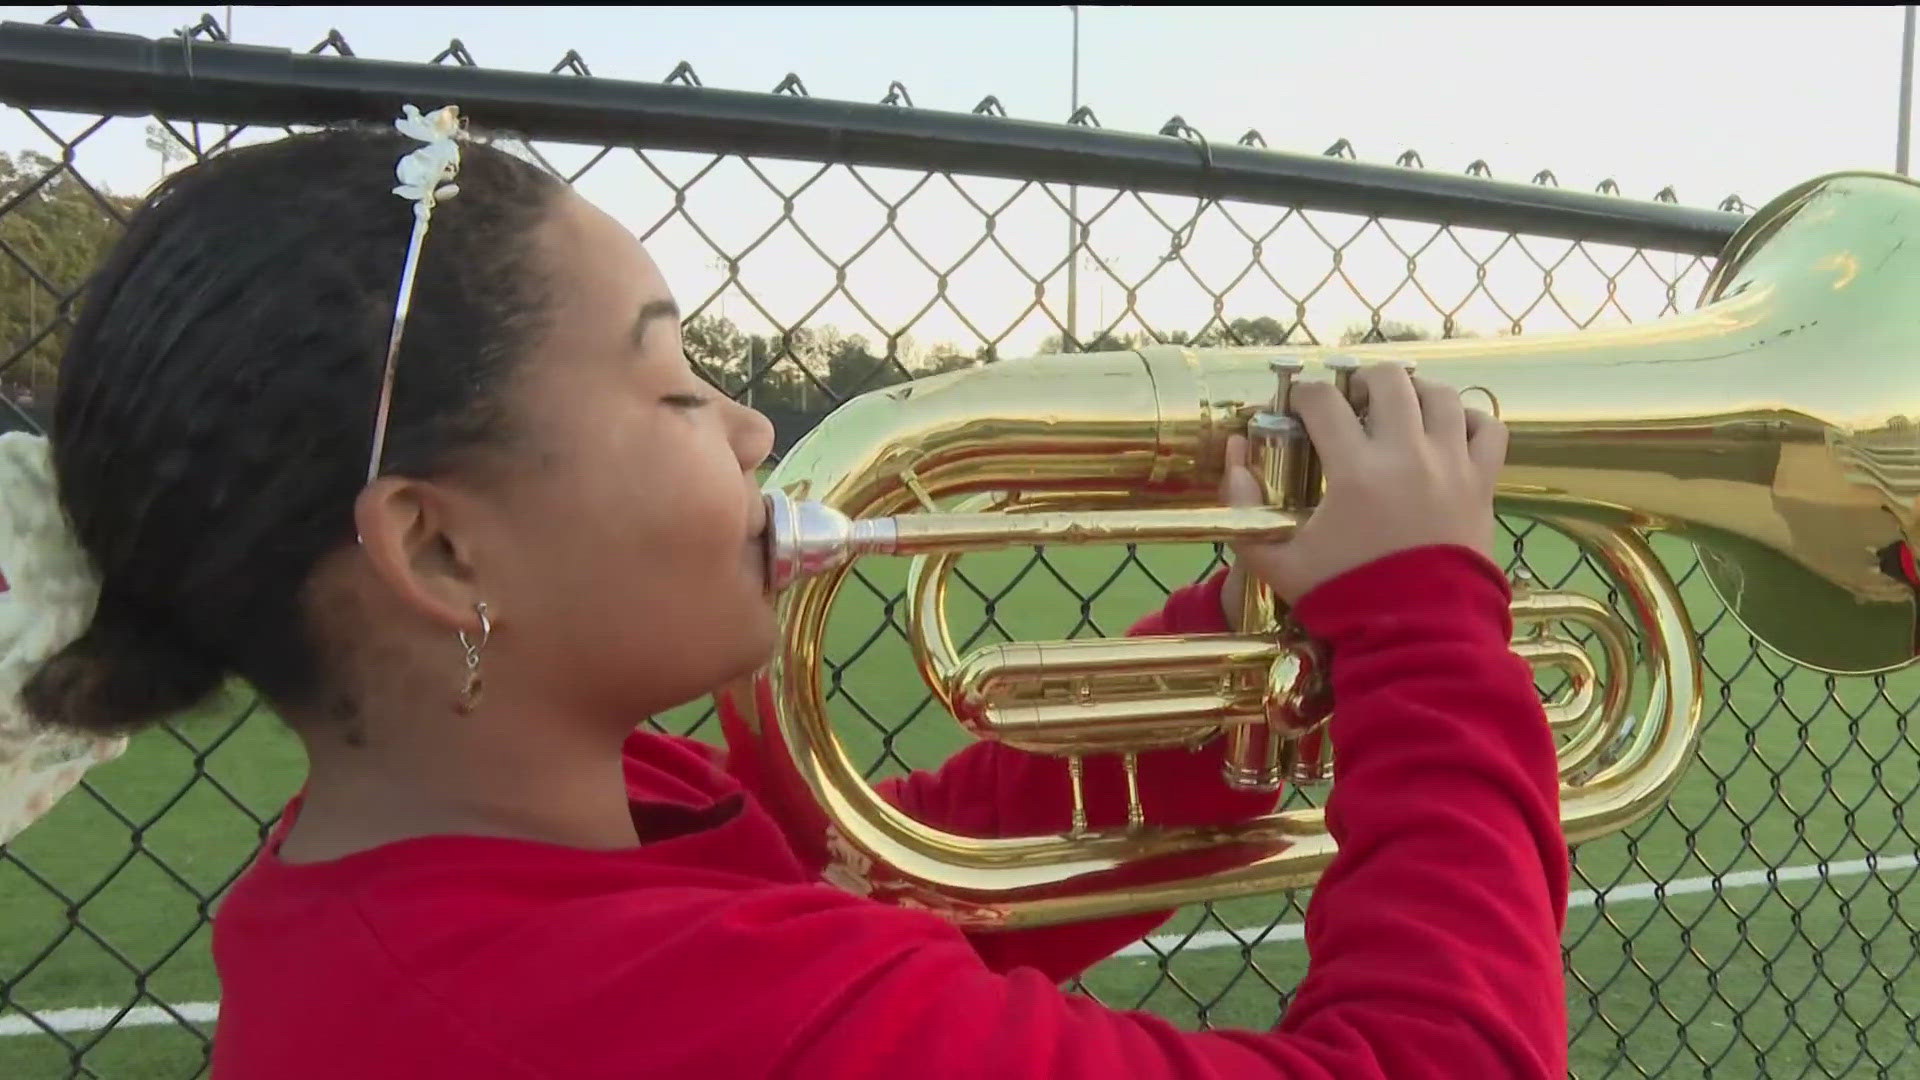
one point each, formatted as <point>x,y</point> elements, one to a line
<point>1710,100</point>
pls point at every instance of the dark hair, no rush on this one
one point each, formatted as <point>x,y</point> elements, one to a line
<point>217,400</point>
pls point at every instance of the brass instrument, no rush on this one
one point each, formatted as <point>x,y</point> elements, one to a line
<point>1770,428</point>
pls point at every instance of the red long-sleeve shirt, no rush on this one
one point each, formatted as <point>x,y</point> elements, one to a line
<point>711,950</point>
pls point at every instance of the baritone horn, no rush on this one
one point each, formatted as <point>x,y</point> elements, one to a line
<point>1772,428</point>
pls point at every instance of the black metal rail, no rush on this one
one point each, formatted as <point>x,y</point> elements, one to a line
<point>89,71</point>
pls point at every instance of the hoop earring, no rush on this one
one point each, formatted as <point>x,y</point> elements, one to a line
<point>470,694</point>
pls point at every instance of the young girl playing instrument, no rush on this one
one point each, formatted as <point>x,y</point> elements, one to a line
<point>465,540</point>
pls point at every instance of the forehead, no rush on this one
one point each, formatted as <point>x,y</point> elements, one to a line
<point>604,280</point>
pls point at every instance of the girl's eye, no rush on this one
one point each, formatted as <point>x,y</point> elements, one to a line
<point>685,401</point>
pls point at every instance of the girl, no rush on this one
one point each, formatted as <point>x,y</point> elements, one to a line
<point>492,871</point>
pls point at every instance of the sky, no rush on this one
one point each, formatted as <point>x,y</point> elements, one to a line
<point>1710,101</point>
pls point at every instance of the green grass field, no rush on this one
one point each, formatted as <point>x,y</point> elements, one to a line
<point>104,900</point>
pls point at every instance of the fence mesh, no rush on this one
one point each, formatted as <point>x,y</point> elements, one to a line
<point>1756,925</point>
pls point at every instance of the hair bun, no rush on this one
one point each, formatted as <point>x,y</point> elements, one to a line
<point>117,677</point>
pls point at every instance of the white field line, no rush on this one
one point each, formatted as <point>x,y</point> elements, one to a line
<point>1642,890</point>
<point>70,1021</point>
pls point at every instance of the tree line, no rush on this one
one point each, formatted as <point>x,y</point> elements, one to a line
<point>810,368</point>
<point>53,230</point>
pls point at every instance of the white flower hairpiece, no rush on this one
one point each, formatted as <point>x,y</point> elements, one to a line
<point>48,587</point>
<point>426,174</point>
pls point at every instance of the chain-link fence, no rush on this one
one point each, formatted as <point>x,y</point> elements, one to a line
<point>1754,926</point>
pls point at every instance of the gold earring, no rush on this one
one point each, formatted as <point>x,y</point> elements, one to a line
<point>470,695</point>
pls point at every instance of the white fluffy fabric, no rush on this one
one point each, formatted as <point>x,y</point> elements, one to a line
<point>48,599</point>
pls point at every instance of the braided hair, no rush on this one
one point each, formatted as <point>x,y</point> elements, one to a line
<point>217,400</point>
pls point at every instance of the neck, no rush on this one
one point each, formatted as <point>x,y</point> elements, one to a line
<point>478,775</point>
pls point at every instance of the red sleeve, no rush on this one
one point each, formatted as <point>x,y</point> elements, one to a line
<point>989,789</point>
<point>1434,936</point>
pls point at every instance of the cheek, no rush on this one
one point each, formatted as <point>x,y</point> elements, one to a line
<point>642,570</point>
<point>624,564</point>
<point>690,499</point>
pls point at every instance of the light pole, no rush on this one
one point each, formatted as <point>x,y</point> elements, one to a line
<point>1903,142</point>
<point>1073,206</point>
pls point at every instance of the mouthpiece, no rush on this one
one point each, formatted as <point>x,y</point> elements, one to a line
<point>808,538</point>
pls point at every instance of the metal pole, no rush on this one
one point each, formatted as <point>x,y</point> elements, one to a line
<point>68,70</point>
<point>1073,208</point>
<point>1903,143</point>
<point>226,130</point>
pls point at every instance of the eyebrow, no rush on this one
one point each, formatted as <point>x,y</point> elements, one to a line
<point>650,312</point>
